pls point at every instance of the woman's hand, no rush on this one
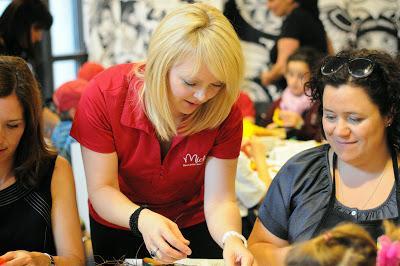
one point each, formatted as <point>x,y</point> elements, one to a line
<point>24,258</point>
<point>236,254</point>
<point>162,237</point>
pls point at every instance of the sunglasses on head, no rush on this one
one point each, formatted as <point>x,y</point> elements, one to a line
<point>359,67</point>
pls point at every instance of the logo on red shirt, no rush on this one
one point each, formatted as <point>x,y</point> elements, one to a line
<point>193,160</point>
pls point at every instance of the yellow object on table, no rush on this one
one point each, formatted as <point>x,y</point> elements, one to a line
<point>276,118</point>
<point>250,129</point>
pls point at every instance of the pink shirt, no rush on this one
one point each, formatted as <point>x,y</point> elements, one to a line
<point>109,119</point>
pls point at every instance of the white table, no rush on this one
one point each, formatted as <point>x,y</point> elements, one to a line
<point>184,262</point>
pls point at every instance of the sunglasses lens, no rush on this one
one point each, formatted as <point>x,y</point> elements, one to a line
<point>361,67</point>
<point>332,65</point>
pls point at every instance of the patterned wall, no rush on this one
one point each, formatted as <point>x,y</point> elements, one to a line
<point>118,31</point>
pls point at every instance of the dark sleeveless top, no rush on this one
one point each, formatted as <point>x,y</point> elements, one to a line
<point>25,215</point>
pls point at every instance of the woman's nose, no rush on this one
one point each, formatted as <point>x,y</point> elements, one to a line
<point>342,129</point>
<point>200,94</point>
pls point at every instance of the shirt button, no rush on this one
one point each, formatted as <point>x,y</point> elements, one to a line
<point>354,213</point>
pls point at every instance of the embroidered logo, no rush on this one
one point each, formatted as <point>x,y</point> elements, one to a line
<point>193,160</point>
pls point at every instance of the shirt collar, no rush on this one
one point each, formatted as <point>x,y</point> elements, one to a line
<point>133,114</point>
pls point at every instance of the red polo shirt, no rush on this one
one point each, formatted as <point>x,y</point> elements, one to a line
<point>110,119</point>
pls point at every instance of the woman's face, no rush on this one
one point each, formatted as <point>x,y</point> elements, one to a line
<point>190,91</point>
<point>12,126</point>
<point>297,74</point>
<point>280,8</point>
<point>353,124</point>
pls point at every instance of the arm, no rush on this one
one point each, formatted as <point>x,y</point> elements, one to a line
<point>267,248</point>
<point>221,210</point>
<point>65,224</point>
<point>286,47</point>
<point>102,179</point>
<point>64,216</point>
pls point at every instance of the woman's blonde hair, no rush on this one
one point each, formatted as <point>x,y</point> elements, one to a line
<point>201,33</point>
<point>344,245</point>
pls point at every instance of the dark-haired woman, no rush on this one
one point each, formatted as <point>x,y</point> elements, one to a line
<point>21,27</point>
<point>355,177</point>
<point>39,222</point>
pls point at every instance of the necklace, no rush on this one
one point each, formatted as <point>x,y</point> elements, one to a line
<point>373,192</point>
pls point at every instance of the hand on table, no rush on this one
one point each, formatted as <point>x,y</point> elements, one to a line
<point>24,258</point>
<point>162,237</point>
<point>290,119</point>
<point>236,254</point>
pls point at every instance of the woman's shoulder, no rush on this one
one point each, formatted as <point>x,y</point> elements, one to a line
<point>114,77</point>
<point>308,164</point>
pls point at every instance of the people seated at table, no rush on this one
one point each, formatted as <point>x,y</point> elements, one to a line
<point>39,222</point>
<point>345,245</point>
<point>352,178</point>
<point>160,142</point>
<point>294,110</point>
<point>66,99</point>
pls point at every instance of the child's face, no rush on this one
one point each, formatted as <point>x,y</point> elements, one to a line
<point>297,74</point>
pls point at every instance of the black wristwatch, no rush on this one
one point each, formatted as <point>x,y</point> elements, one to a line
<point>133,221</point>
<point>51,259</point>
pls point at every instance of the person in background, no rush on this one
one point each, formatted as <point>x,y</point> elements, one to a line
<point>21,28</point>
<point>294,110</point>
<point>352,178</point>
<point>88,70</point>
<point>161,165</point>
<point>301,27</point>
<point>246,106</point>
<point>39,222</point>
<point>252,180</point>
<point>66,99</point>
<point>344,245</point>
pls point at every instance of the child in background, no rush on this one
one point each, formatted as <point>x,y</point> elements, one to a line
<point>88,70</point>
<point>246,106</point>
<point>252,178</point>
<point>294,110</point>
<point>66,99</point>
<point>344,245</point>
<point>252,181</point>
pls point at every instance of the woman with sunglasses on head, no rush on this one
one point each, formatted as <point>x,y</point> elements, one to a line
<point>353,178</point>
<point>160,142</point>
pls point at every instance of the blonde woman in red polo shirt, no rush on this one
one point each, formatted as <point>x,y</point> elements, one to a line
<point>160,143</point>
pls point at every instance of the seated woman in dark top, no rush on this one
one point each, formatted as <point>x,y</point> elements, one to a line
<point>39,222</point>
<point>353,178</point>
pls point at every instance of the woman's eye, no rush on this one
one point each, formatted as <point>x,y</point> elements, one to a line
<point>219,86</point>
<point>189,83</point>
<point>12,126</point>
<point>329,117</point>
<point>355,119</point>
